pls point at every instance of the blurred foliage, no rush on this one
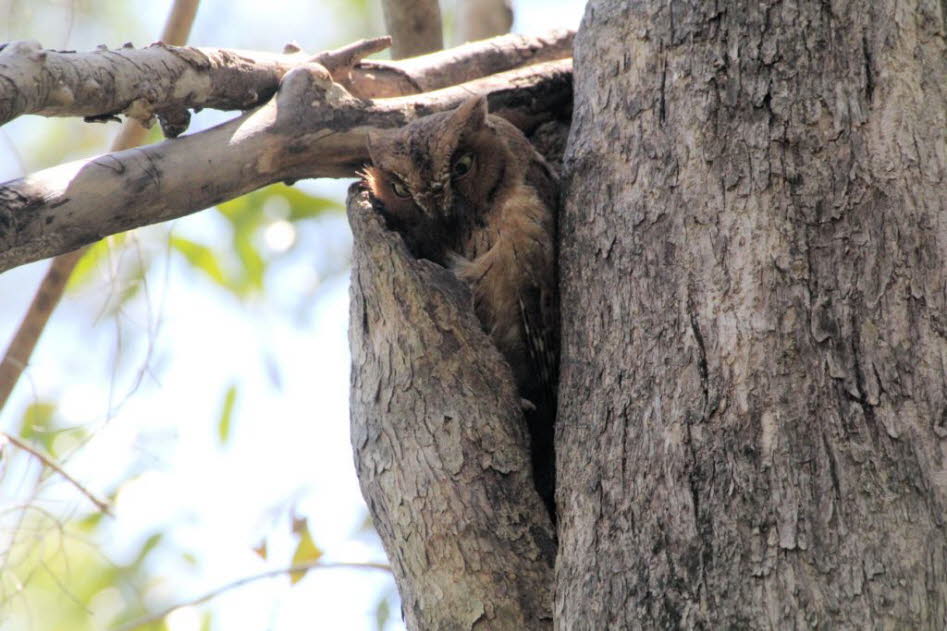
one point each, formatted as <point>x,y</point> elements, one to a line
<point>54,577</point>
<point>382,613</point>
<point>226,414</point>
<point>95,256</point>
<point>37,424</point>
<point>266,217</point>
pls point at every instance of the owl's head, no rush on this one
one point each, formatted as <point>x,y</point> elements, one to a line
<point>440,169</point>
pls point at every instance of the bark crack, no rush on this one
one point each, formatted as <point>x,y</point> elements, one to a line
<point>710,405</point>
<point>662,112</point>
<point>862,397</point>
<point>701,359</point>
<point>869,77</point>
<point>833,471</point>
<point>702,522</point>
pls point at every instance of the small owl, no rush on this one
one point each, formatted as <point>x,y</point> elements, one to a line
<point>468,191</point>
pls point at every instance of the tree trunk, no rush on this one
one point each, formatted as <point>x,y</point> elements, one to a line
<point>753,407</point>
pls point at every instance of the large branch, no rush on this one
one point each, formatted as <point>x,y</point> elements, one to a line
<point>440,445</point>
<point>167,80</point>
<point>312,128</point>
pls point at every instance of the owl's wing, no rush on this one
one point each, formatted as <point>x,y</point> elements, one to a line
<point>538,310</point>
<point>541,176</point>
<point>539,303</point>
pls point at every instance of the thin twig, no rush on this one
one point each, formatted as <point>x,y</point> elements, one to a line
<point>101,504</point>
<point>53,285</point>
<point>315,565</point>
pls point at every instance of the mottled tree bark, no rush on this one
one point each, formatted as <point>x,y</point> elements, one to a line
<point>440,445</point>
<point>753,408</point>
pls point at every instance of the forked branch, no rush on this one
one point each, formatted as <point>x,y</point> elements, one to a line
<point>312,128</point>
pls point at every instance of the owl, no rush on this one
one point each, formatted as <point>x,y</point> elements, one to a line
<point>467,190</point>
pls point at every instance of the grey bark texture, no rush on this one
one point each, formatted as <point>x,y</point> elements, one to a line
<point>753,407</point>
<point>440,445</point>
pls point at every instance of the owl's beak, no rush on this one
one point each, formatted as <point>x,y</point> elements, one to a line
<point>436,200</point>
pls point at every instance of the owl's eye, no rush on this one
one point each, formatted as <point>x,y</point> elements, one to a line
<point>462,165</point>
<point>399,189</point>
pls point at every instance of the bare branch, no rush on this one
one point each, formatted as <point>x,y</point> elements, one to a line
<point>101,504</point>
<point>167,80</point>
<point>304,567</point>
<point>313,128</point>
<point>480,19</point>
<point>414,26</point>
<point>470,61</point>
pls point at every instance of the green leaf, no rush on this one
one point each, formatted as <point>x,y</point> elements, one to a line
<point>252,213</point>
<point>246,218</point>
<point>226,414</point>
<point>201,258</point>
<point>254,266</point>
<point>306,550</point>
<point>305,206</point>
<point>146,548</point>
<point>90,522</point>
<point>37,424</point>
<point>94,256</point>
<point>382,614</point>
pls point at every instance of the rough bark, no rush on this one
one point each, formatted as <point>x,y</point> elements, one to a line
<point>753,420</point>
<point>312,128</point>
<point>440,445</point>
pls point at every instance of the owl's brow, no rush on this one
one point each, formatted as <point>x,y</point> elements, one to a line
<point>401,179</point>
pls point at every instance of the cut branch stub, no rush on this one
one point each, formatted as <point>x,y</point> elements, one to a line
<point>440,444</point>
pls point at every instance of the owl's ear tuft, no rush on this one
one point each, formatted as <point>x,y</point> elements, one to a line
<point>381,143</point>
<point>472,114</point>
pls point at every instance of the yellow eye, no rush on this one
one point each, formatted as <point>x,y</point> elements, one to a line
<point>462,165</point>
<point>399,189</point>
